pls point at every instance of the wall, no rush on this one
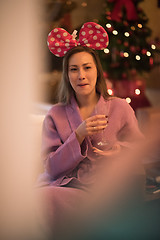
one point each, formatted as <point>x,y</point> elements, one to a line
<point>88,13</point>
<point>152,11</point>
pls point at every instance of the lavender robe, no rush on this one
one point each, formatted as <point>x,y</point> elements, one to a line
<point>64,159</point>
<point>68,166</point>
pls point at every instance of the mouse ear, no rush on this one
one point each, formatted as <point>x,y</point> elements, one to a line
<point>94,36</point>
<point>60,41</point>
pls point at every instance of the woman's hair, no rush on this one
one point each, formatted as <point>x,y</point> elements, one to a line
<point>65,88</point>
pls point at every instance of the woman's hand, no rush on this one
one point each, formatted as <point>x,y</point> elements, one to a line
<point>91,126</point>
<point>111,152</point>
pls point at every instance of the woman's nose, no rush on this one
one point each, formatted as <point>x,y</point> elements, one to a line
<point>81,74</point>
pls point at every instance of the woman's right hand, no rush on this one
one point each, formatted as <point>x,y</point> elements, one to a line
<point>91,126</point>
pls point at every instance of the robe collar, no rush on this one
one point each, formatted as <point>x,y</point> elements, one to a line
<point>73,111</point>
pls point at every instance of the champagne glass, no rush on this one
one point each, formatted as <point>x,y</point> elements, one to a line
<point>102,110</point>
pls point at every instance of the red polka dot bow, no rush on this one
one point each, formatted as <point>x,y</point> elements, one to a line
<point>91,35</point>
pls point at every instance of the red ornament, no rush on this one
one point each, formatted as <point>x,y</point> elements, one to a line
<point>124,75</point>
<point>121,54</point>
<point>105,74</point>
<point>151,61</point>
<point>133,49</point>
<point>125,23</point>
<point>108,17</point>
<point>119,41</point>
<point>126,44</point>
<point>144,51</point>
<point>133,72</point>
<point>130,10</point>
<point>108,13</point>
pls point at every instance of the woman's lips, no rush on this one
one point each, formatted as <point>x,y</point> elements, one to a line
<point>83,85</point>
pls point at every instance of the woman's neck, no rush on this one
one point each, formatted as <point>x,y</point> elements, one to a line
<point>87,105</point>
<point>87,101</point>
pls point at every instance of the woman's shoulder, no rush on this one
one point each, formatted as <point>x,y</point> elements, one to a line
<point>57,107</point>
<point>56,110</point>
<point>120,103</point>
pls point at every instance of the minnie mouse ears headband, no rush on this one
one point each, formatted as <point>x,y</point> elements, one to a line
<point>91,35</point>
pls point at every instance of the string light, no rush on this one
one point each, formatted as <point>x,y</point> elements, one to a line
<point>128,100</point>
<point>148,53</point>
<point>138,57</point>
<point>106,50</point>
<point>139,25</point>
<point>115,32</point>
<point>110,91</point>
<point>84,4</point>
<point>126,54</point>
<point>153,46</point>
<point>108,25</point>
<point>126,34</point>
<point>133,28</point>
<point>69,2</point>
<point>137,91</point>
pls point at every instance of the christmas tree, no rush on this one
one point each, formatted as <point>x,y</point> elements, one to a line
<point>129,50</point>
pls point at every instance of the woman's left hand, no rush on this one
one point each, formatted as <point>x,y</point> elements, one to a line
<point>111,152</point>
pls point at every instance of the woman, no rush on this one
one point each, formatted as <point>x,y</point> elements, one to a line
<point>72,128</point>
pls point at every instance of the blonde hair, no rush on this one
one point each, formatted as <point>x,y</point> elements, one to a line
<point>65,88</point>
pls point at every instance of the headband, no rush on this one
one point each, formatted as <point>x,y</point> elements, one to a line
<point>91,35</point>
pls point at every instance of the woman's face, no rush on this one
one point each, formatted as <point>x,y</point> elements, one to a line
<point>82,73</point>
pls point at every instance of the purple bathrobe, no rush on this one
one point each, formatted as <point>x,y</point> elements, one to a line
<point>64,159</point>
<point>69,164</point>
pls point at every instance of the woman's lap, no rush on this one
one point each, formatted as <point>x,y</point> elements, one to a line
<point>58,206</point>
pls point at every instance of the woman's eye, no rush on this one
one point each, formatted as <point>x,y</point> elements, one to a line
<point>88,67</point>
<point>73,69</point>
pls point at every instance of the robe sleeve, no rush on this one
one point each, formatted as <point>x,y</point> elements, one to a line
<point>60,157</point>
